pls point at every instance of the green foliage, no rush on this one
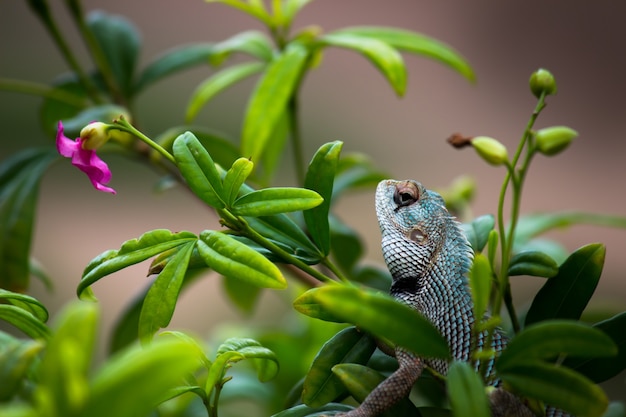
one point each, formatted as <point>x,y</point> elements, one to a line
<point>276,236</point>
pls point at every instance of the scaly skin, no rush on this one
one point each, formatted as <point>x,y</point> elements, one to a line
<point>429,257</point>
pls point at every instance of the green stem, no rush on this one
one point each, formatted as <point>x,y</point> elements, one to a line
<point>122,124</point>
<point>41,90</point>
<point>507,239</point>
<point>333,268</point>
<point>240,224</point>
<point>43,12</point>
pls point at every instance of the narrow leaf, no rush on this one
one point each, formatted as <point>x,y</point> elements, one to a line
<point>320,178</point>
<point>16,359</point>
<point>558,386</point>
<point>198,169</point>
<point>269,201</point>
<point>477,232</point>
<point>281,228</point>
<point>24,321</point>
<point>376,313</point>
<point>321,385</point>
<point>263,359</point>
<point>254,9</point>
<point>221,148</point>
<point>231,258</point>
<point>480,277</point>
<point>218,83</point>
<point>361,380</point>
<point>132,251</point>
<point>416,43</point>
<point>533,263</point>
<point>566,294</point>
<point>120,44</point>
<point>175,60</point>
<point>27,303</point>
<point>20,176</point>
<point>550,339</point>
<point>235,177</point>
<point>466,391</point>
<point>388,61</point>
<point>269,100</point>
<point>253,43</point>
<point>600,369</point>
<point>133,382</point>
<point>160,302</point>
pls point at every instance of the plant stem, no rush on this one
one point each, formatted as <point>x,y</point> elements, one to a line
<point>122,124</point>
<point>507,239</point>
<point>36,89</point>
<point>43,12</point>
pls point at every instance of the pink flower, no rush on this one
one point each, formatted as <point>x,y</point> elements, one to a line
<point>85,160</point>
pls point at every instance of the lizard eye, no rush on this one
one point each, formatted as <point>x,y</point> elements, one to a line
<point>406,194</point>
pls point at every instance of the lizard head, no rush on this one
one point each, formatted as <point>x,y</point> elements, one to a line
<point>417,231</point>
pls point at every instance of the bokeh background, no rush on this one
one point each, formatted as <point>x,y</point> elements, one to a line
<point>582,43</point>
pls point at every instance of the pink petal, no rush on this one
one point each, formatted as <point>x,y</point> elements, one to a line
<point>65,146</point>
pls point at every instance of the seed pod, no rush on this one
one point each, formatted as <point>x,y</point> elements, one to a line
<point>490,150</point>
<point>552,140</point>
<point>542,81</point>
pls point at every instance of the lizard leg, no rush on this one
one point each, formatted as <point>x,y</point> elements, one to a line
<point>396,387</point>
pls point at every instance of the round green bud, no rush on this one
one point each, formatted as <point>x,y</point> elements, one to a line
<point>94,135</point>
<point>552,140</point>
<point>490,150</point>
<point>542,81</point>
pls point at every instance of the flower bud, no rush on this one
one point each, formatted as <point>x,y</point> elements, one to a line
<point>552,140</point>
<point>94,135</point>
<point>542,81</point>
<point>490,150</point>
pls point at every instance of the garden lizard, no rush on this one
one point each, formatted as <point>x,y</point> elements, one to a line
<point>429,257</point>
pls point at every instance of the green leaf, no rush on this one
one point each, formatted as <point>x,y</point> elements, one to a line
<point>133,382</point>
<point>558,386</point>
<point>306,411</point>
<point>241,293</point>
<point>235,177</point>
<point>477,232</point>
<point>254,9</point>
<point>177,59</point>
<point>131,252</point>
<point>374,277</point>
<point>105,113</point>
<point>535,224</point>
<point>480,277</point>
<point>119,42</point>
<point>566,294</point>
<point>345,244</point>
<point>533,263</point>
<point>280,228</point>
<point>415,43</point>
<point>160,302</point>
<point>253,43</point>
<point>320,177</point>
<point>269,201</point>
<point>27,303</point>
<point>376,313</point>
<point>64,370</point>
<point>16,359</point>
<point>232,258</point>
<point>291,9</point>
<point>236,349</point>
<point>221,148</point>
<point>388,61</point>
<point>361,380</point>
<point>269,100</point>
<point>20,176</point>
<point>217,83</point>
<point>550,339</point>
<point>273,155</point>
<point>600,369</point>
<point>321,385</point>
<point>24,321</point>
<point>466,391</point>
<point>354,171</point>
<point>53,109</point>
<point>198,169</point>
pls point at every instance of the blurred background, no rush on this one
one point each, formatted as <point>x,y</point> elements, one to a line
<point>583,44</point>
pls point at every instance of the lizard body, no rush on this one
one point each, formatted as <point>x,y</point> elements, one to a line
<point>428,257</point>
